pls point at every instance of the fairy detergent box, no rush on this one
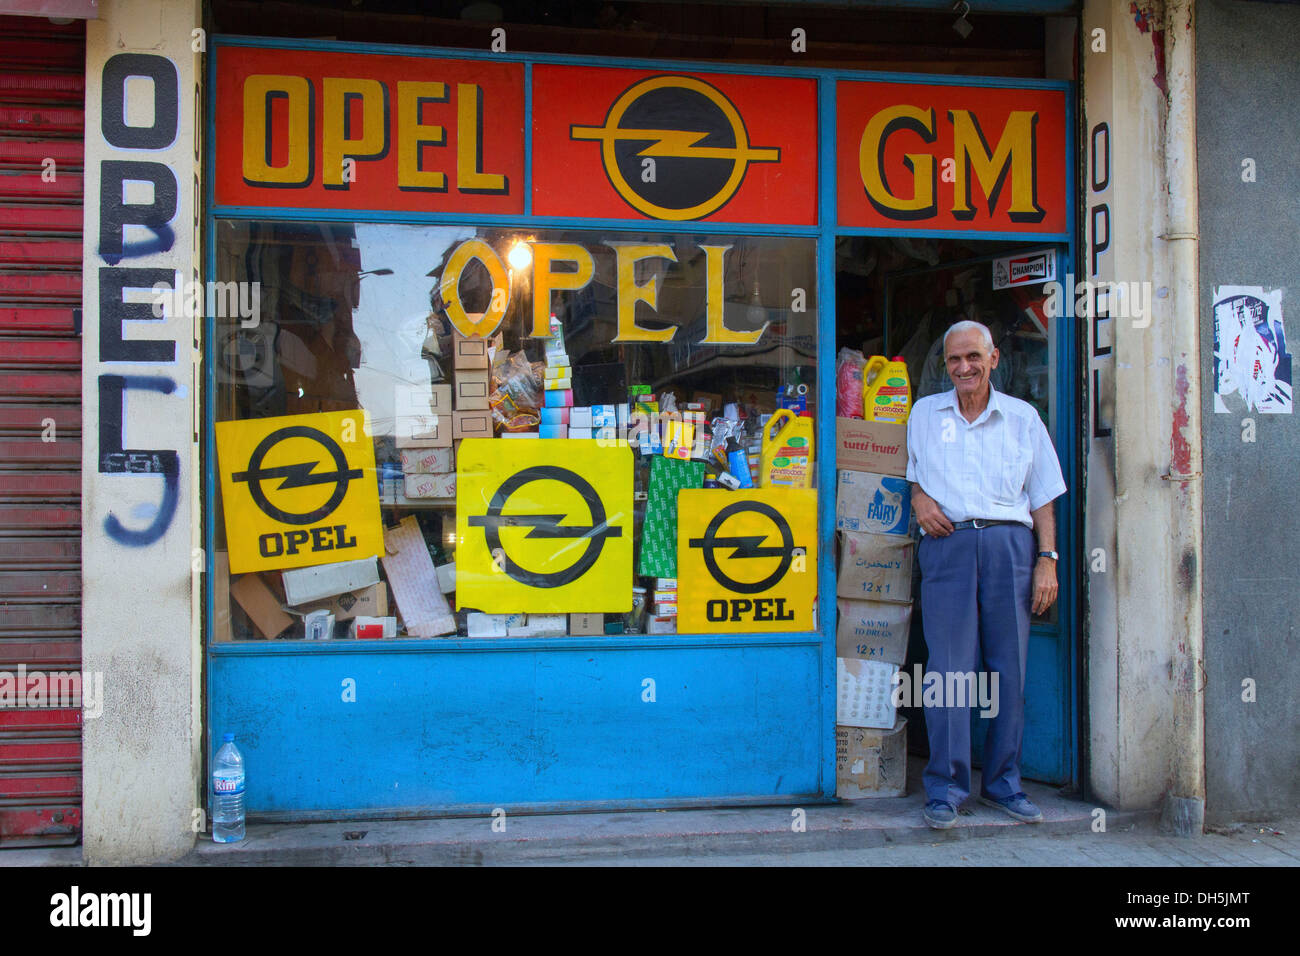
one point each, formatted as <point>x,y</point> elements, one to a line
<point>876,504</point>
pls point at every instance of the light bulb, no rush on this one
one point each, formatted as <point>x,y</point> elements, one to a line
<point>520,255</point>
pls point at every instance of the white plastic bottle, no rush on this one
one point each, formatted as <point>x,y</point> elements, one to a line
<point>228,793</point>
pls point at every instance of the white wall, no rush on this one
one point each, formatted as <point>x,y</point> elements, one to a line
<point>142,757</point>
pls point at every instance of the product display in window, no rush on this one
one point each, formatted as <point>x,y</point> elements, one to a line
<point>519,424</point>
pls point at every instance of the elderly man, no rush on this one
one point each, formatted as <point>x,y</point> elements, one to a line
<point>984,475</point>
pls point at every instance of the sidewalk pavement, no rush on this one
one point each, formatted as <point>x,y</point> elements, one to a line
<point>886,832</point>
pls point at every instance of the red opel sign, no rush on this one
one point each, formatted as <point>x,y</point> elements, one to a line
<point>969,158</point>
<point>633,144</point>
<point>360,131</point>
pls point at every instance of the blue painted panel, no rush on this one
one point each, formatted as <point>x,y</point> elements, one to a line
<point>513,727</point>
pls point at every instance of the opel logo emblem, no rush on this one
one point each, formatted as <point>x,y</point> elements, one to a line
<point>298,475</point>
<point>695,137</point>
<point>746,546</point>
<point>546,526</point>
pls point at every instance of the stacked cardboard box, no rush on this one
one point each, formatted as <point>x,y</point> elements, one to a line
<point>473,362</point>
<point>873,515</point>
<point>346,590</point>
<point>429,472</point>
<point>424,423</point>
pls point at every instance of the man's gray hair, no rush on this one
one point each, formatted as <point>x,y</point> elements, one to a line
<point>966,325</point>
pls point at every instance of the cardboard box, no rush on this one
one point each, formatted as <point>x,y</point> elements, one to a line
<point>864,693</point>
<point>432,431</point>
<point>873,630</point>
<point>871,763</point>
<point>428,461</point>
<point>479,624</point>
<point>431,486</point>
<point>447,578</point>
<point>580,417</point>
<point>471,425</point>
<point>867,502</point>
<point>372,628</point>
<point>262,606</point>
<point>468,353</point>
<point>472,388</point>
<point>879,447</point>
<point>586,624</point>
<point>422,422</point>
<point>661,625</point>
<point>365,602</point>
<point>876,567</point>
<point>303,585</point>
<point>541,625</point>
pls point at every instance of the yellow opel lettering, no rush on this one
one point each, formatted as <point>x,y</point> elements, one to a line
<point>261,91</point>
<point>629,293</point>
<point>1014,155</point>
<point>470,177</point>
<point>545,280</point>
<point>339,141</point>
<point>871,162</point>
<point>484,324</point>
<point>413,135</point>
<point>716,331</point>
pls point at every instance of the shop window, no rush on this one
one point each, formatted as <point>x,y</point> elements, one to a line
<point>659,346</point>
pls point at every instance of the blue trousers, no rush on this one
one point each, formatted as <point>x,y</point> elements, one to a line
<point>976,587</point>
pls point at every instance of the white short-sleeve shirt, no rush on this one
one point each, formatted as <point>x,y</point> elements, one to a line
<point>1001,466</point>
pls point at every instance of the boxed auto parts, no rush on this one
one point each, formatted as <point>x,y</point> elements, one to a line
<point>873,630</point>
<point>876,567</point>
<point>871,762</point>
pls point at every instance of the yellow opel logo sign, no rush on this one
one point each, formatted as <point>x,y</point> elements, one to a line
<point>675,147</point>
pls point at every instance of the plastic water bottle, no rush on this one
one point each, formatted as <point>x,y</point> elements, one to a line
<point>228,793</point>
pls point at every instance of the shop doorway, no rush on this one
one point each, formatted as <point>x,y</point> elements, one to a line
<point>896,297</point>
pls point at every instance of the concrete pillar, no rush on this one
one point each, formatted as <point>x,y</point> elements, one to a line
<point>140,518</point>
<point>1141,579</point>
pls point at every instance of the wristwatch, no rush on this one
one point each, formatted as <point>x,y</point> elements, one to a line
<point>1049,554</point>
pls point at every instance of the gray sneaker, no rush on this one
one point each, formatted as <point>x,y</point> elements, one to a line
<point>1017,805</point>
<point>939,815</point>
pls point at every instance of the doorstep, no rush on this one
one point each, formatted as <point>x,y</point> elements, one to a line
<point>560,837</point>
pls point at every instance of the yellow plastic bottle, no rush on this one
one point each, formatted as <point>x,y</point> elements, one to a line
<point>786,460</point>
<point>886,390</point>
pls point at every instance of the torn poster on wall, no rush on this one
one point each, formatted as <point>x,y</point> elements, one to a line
<point>1250,356</point>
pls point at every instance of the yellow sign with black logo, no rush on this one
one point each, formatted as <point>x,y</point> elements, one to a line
<point>544,526</point>
<point>746,560</point>
<point>299,490</point>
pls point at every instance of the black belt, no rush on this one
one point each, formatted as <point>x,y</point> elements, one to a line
<point>981,523</point>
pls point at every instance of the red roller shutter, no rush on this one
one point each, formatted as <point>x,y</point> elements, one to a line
<point>42,125</point>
